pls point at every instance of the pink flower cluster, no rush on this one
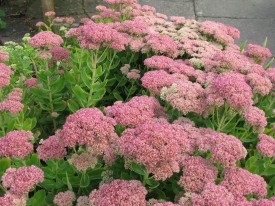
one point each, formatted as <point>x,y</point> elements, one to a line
<point>241,182</point>
<point>31,82</point>
<point>119,192</point>
<point>64,198</point>
<point>12,102</point>
<point>51,148</point>
<point>60,53</point>
<point>213,195</point>
<point>134,27</point>
<point>68,20</point>
<point>16,144</point>
<point>197,172</point>
<point>107,14</point>
<point>83,161</point>
<point>5,73</point>
<point>222,33</point>
<point>89,126</point>
<point>266,146</point>
<point>4,56</point>
<point>255,117</point>
<point>258,53</point>
<point>259,84</point>
<point>232,88</point>
<point>92,36</point>
<point>21,180</point>
<point>135,112</point>
<point>46,39</point>
<point>158,146</point>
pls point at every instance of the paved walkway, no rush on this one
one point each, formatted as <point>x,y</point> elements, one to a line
<point>254,18</point>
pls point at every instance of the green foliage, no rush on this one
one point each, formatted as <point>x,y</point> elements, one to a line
<point>2,23</point>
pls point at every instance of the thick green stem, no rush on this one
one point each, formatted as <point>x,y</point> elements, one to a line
<point>145,177</point>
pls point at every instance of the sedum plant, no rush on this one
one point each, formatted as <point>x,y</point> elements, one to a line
<point>135,108</point>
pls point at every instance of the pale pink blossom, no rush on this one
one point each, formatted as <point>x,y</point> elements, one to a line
<point>241,182</point>
<point>133,74</point>
<point>51,148</point>
<point>5,73</point>
<point>60,53</point>
<point>83,201</point>
<point>258,53</point>
<point>12,102</point>
<point>31,82</point>
<point>21,180</point>
<point>133,27</point>
<point>49,13</point>
<point>259,84</point>
<point>256,118</point>
<point>64,198</point>
<point>83,161</point>
<point>158,62</point>
<point>4,56</point>
<point>45,39</point>
<point>119,192</point>
<point>266,145</point>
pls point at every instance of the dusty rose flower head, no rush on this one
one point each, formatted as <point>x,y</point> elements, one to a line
<point>181,67</point>
<point>5,73</point>
<point>45,39</point>
<point>60,53</point>
<point>15,199</point>
<point>186,97</point>
<point>92,36</point>
<point>231,87</point>
<point>197,172</point>
<point>89,126</point>
<point>4,56</point>
<point>162,44</point>
<point>40,23</point>
<point>166,204</point>
<point>31,82</point>
<point>12,102</point>
<point>159,147</point>
<point>158,62</point>
<point>107,14</point>
<point>258,53</point>
<point>133,74</point>
<point>125,69</point>
<point>21,180</point>
<point>154,81</point>
<point>255,117</point>
<point>133,27</point>
<point>119,192</point>
<point>83,201</point>
<point>16,144</point>
<point>135,112</point>
<point>83,161</point>
<point>51,148</point>
<point>266,146</point>
<point>49,13</point>
<point>44,55</point>
<point>262,202</point>
<point>259,84</point>
<point>213,195</point>
<point>241,182</point>
<point>64,198</point>
<point>5,201</point>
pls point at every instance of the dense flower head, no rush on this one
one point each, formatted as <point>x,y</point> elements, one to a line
<point>45,39</point>
<point>107,14</point>
<point>31,82</point>
<point>133,27</point>
<point>44,55</point>
<point>158,62</point>
<point>155,80</point>
<point>266,145</point>
<point>12,102</point>
<point>51,148</point>
<point>92,36</point>
<point>270,74</point>
<point>4,56</point>
<point>197,172</point>
<point>258,53</point>
<point>120,1</point>
<point>5,201</point>
<point>5,73</point>
<point>136,43</point>
<point>60,53</point>
<point>214,195</point>
<point>64,198</point>
<point>166,204</point>
<point>16,144</point>
<point>14,199</point>
<point>259,84</point>
<point>241,182</point>
<point>263,202</point>
<point>181,67</point>
<point>133,74</point>
<point>21,180</point>
<point>187,97</point>
<point>49,13</point>
<point>221,32</point>
<point>89,126</point>
<point>231,87</point>
<point>159,147</point>
<point>83,201</point>
<point>119,192</point>
<point>135,112</point>
<point>162,44</point>
<point>255,117</point>
<point>83,161</point>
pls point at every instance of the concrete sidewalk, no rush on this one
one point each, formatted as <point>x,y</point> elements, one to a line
<point>254,18</point>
